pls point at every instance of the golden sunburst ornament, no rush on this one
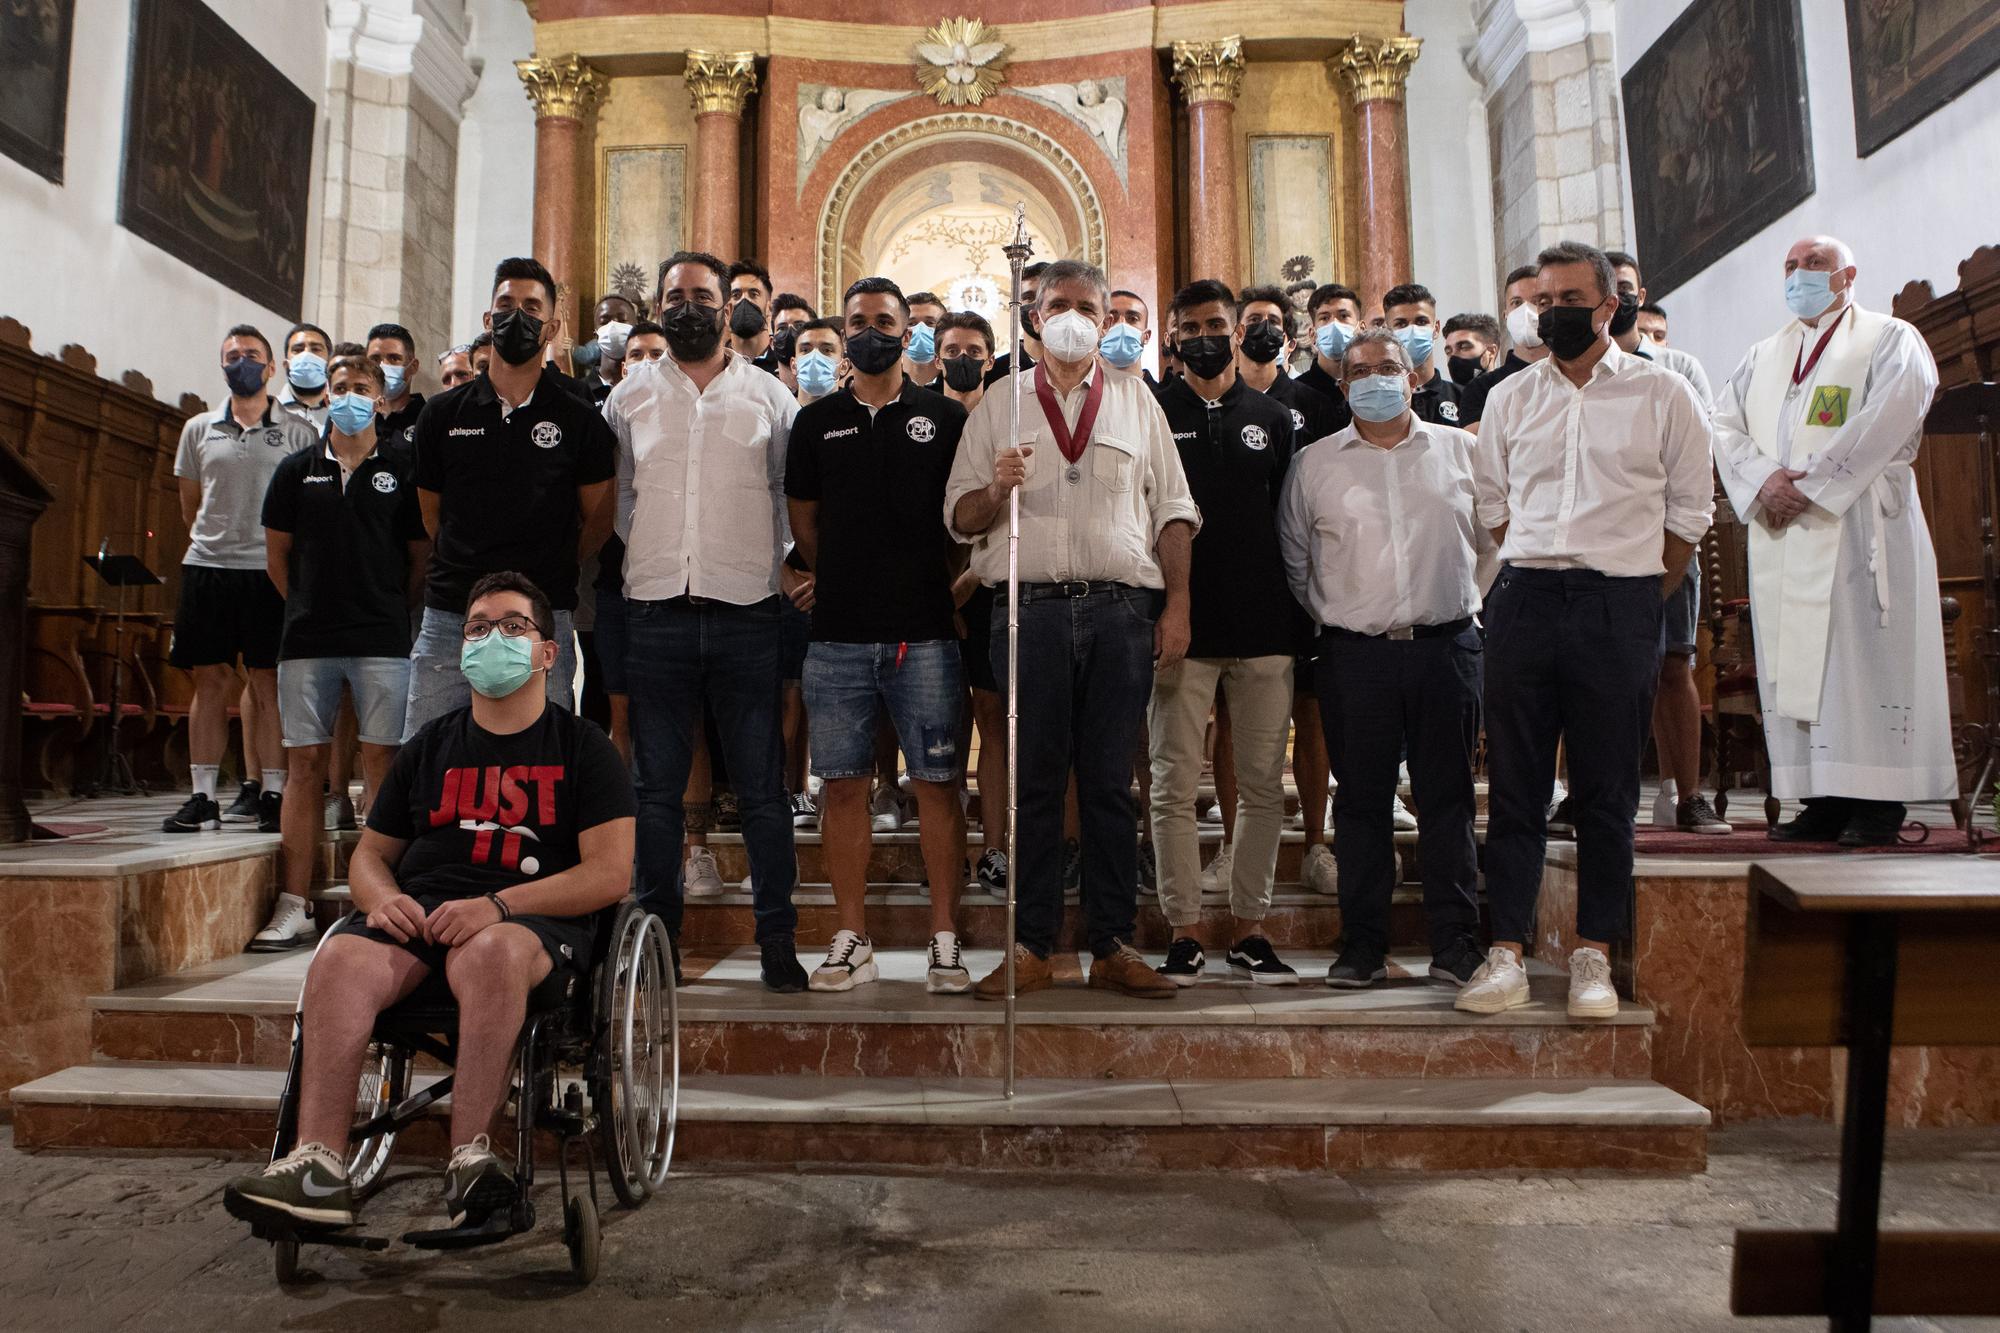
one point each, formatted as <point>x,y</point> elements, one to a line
<point>961,62</point>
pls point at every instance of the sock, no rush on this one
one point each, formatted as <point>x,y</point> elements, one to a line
<point>274,780</point>
<point>1671,789</point>
<point>204,776</point>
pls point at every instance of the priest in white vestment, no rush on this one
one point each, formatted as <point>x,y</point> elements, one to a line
<point>1815,435</point>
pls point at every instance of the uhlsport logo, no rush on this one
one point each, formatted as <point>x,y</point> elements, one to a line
<point>547,435</point>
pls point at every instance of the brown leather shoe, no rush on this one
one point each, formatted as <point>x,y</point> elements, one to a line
<point>1030,974</point>
<point>1128,971</point>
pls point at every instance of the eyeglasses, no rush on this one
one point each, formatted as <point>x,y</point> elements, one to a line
<point>510,627</point>
<point>1365,372</point>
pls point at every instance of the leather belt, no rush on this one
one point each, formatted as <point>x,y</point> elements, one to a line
<point>1073,588</point>
<point>1450,629</point>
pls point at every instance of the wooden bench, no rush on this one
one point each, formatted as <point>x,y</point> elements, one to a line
<point>58,707</point>
<point>1867,952</point>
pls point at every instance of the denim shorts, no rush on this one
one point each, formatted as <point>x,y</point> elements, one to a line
<point>1683,611</point>
<point>309,698</point>
<point>845,684</point>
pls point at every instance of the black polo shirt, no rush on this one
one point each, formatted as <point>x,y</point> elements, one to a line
<point>507,485</point>
<point>1325,385</point>
<point>1472,399</point>
<point>1314,415</point>
<point>885,556</point>
<point>1235,454</point>
<point>400,428</point>
<point>349,572</point>
<point>1437,401</point>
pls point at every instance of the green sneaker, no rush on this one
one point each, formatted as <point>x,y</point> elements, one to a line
<point>476,1183</point>
<point>309,1185</point>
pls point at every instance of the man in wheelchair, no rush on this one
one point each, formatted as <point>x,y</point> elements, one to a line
<point>500,833</point>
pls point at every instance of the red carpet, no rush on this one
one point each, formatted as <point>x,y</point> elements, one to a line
<point>54,830</point>
<point>1748,842</point>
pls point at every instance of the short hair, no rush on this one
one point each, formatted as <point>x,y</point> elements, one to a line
<point>399,333</point>
<point>484,338</point>
<point>1408,293</point>
<point>702,257</point>
<point>784,301</point>
<point>1525,271</point>
<point>1130,295</point>
<point>748,268</point>
<point>645,326</point>
<point>1620,259</point>
<point>833,326</point>
<point>876,286</point>
<point>1373,336</point>
<point>522,267</point>
<point>308,328</point>
<point>1328,293</point>
<point>1036,269</point>
<point>925,298</point>
<point>967,319</point>
<point>1069,270</point>
<point>1270,294</point>
<point>1200,292</point>
<point>1485,326</point>
<point>1576,252</point>
<point>356,361</point>
<point>508,580</point>
<point>1653,308</point>
<point>252,331</point>
<point>347,349</point>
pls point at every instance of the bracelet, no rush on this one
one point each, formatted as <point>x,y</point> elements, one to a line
<point>505,914</point>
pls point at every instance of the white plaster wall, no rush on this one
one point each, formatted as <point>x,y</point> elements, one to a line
<point>76,276</point>
<point>1915,209</point>
<point>1451,169</point>
<point>496,160</point>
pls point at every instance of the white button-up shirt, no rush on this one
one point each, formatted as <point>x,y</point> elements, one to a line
<point>701,481</point>
<point>1097,519</point>
<point>1593,478</point>
<point>1377,539</point>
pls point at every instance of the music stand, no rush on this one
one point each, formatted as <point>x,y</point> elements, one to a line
<point>114,771</point>
<point>1972,409</point>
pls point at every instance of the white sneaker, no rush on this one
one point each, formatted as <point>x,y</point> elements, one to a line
<point>850,962</point>
<point>1215,875</point>
<point>1318,872</point>
<point>1558,793</point>
<point>1405,821</point>
<point>1666,806</point>
<point>1211,817</point>
<point>1500,984</point>
<point>290,927</point>
<point>699,877</point>
<point>947,974</point>
<point>884,810</point>
<point>1591,994</point>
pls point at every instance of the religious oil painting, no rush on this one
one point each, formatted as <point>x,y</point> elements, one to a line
<point>1910,57</point>
<point>643,212</point>
<point>218,145</point>
<point>1718,132</point>
<point>34,82</point>
<point>1291,201</point>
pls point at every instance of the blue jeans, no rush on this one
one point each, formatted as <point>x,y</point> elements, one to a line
<point>1086,672</point>
<point>438,687</point>
<point>846,684</point>
<point>681,655</point>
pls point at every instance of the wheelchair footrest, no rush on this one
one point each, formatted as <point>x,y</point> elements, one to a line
<point>499,1225</point>
<point>310,1235</point>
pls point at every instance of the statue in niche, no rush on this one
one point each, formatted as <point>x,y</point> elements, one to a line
<point>824,112</point>
<point>1097,107</point>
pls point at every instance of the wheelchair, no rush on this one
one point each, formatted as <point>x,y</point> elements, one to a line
<point>597,1059</point>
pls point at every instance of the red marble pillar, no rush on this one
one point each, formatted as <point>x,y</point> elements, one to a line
<point>1373,71</point>
<point>1209,75</point>
<point>565,90</point>
<point>719,85</point>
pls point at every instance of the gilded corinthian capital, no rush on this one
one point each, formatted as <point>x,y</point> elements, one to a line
<point>1374,69</point>
<point>563,86</point>
<point>721,81</point>
<point>1209,71</point>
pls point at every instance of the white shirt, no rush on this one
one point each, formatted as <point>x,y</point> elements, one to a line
<point>701,481</point>
<point>1593,478</point>
<point>1689,368</point>
<point>1378,539</point>
<point>1098,519</point>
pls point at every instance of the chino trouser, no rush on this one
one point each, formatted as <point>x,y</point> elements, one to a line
<point>1259,693</point>
<point>1571,654</point>
<point>1378,698</point>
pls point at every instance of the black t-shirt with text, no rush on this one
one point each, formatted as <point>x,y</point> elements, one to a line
<point>348,591</point>
<point>483,812</point>
<point>884,560</point>
<point>507,485</point>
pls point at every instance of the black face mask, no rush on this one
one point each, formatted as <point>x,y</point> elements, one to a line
<point>1030,326</point>
<point>517,336</point>
<point>1627,316</point>
<point>1206,357</point>
<point>784,341</point>
<point>1567,331</point>
<point>746,320</point>
<point>1262,342</point>
<point>1462,369</point>
<point>872,351</point>
<point>692,330</point>
<point>963,373</point>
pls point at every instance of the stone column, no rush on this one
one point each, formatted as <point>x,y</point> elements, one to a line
<point>719,84</point>
<point>1209,75</point>
<point>1373,71</point>
<point>565,90</point>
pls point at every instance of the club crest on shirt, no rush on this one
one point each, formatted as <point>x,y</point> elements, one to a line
<point>274,437</point>
<point>1255,438</point>
<point>1449,411</point>
<point>922,429</point>
<point>1299,422</point>
<point>1829,406</point>
<point>547,435</point>
<point>384,482</point>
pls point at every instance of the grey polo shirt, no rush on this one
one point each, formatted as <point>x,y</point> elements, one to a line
<point>234,467</point>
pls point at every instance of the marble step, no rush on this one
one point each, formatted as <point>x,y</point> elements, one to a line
<point>1158,1123</point>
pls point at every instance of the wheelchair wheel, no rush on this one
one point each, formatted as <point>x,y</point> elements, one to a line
<point>583,1237</point>
<point>285,1261</point>
<point>639,1092</point>
<point>384,1082</point>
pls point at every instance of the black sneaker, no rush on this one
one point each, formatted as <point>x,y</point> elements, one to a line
<point>1356,969</point>
<point>992,870</point>
<point>782,970</point>
<point>1072,865</point>
<point>1693,814</point>
<point>1819,821</point>
<point>270,806</point>
<point>1184,961</point>
<point>1149,868</point>
<point>1254,960</point>
<point>476,1183</point>
<point>1562,820</point>
<point>243,810</point>
<point>1456,962</point>
<point>1873,824</point>
<point>196,813</point>
<point>805,814</point>
<point>308,1185</point>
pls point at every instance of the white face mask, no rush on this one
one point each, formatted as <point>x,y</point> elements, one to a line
<point>612,336</point>
<point>1069,336</point>
<point>1524,325</point>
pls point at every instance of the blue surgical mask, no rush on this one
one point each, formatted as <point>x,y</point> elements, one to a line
<point>306,371</point>
<point>1379,397</point>
<point>394,378</point>
<point>1808,292</point>
<point>350,413</point>
<point>496,665</point>
<point>1332,337</point>
<point>1417,340</point>
<point>815,371</point>
<point>1121,346</point>
<point>922,348</point>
